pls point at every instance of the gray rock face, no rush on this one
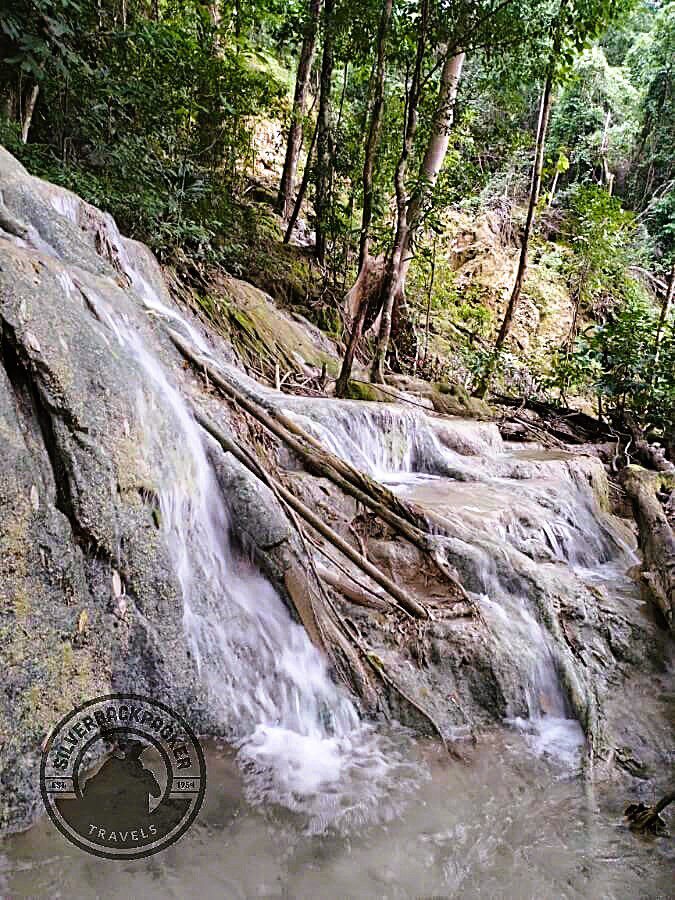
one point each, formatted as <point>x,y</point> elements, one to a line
<point>90,601</point>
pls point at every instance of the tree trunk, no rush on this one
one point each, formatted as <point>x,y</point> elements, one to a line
<point>665,309</point>
<point>287,184</point>
<point>393,272</point>
<point>342,383</point>
<point>607,175</point>
<point>10,102</point>
<point>437,148</point>
<point>297,206</point>
<point>432,275</point>
<point>535,186</point>
<point>554,185</point>
<point>323,149</point>
<point>531,209</point>
<point>373,139</point>
<point>214,13</point>
<point>656,536</point>
<point>432,163</point>
<point>372,143</point>
<point>28,113</point>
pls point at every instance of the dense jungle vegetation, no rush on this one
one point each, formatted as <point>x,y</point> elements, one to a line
<point>345,147</point>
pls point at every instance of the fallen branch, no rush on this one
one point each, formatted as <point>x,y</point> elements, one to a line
<point>351,589</point>
<point>642,818</point>
<point>408,604</point>
<point>404,518</point>
<point>582,427</point>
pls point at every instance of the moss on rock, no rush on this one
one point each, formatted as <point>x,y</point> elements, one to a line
<point>361,390</point>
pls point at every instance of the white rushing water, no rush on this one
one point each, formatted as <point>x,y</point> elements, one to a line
<point>517,522</point>
<point>520,521</point>
<point>301,742</point>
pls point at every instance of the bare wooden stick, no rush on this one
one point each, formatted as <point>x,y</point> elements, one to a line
<point>409,604</point>
<point>351,590</point>
<point>404,518</point>
<point>248,461</point>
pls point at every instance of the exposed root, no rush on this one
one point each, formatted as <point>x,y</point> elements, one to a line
<point>646,819</point>
<point>404,518</point>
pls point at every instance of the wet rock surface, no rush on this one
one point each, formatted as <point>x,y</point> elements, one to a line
<point>90,599</point>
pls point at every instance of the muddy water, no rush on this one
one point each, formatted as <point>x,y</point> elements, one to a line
<point>506,824</point>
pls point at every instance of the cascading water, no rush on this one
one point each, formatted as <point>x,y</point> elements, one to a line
<point>520,523</point>
<point>299,737</point>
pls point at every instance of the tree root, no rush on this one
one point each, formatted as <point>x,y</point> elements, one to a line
<point>349,634</point>
<point>656,537</point>
<point>403,601</point>
<point>404,518</point>
<point>350,589</point>
<point>646,819</point>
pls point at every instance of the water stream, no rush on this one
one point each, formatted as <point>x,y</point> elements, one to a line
<point>505,825</point>
<point>300,741</point>
<point>305,799</point>
<point>515,821</point>
<point>523,524</point>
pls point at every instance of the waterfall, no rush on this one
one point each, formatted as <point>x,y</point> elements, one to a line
<point>300,740</point>
<point>521,523</point>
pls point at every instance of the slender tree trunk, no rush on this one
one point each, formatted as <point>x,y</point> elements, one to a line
<point>535,186</point>
<point>11,102</point>
<point>429,298</point>
<point>28,112</point>
<point>323,139</point>
<point>297,206</point>
<point>665,309</point>
<point>607,175</point>
<point>433,160</point>
<point>374,129</point>
<point>437,148</point>
<point>372,143</point>
<point>554,185</point>
<point>392,276</point>
<point>287,183</point>
<point>214,13</point>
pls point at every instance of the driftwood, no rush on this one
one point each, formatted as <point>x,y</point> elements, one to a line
<point>568,425</point>
<point>643,818</point>
<point>369,659</point>
<point>351,590</point>
<point>656,536</point>
<point>409,604</point>
<point>406,519</point>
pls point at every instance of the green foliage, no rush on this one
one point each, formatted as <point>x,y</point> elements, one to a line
<point>597,104</point>
<point>615,361</point>
<point>153,122</point>
<point>37,38</point>
<point>599,231</point>
<point>151,109</point>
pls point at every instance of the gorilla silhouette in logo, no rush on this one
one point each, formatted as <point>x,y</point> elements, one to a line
<point>114,809</point>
